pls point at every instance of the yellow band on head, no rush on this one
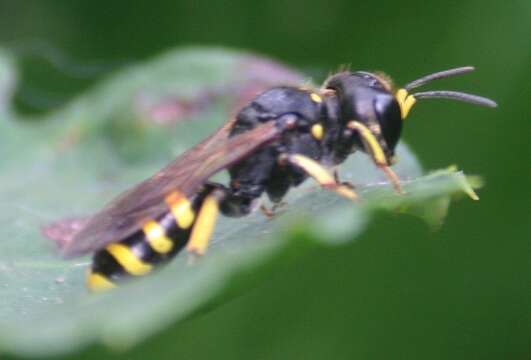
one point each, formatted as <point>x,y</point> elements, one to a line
<point>129,261</point>
<point>406,102</point>
<point>181,209</point>
<point>400,96</point>
<point>371,141</point>
<point>156,237</point>
<point>97,282</point>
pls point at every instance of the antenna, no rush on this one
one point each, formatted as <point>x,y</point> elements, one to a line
<point>438,75</point>
<point>445,94</point>
<point>456,95</point>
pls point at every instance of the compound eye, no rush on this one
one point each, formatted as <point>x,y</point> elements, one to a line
<point>388,113</point>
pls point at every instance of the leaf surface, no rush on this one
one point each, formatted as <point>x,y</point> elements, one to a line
<point>72,161</point>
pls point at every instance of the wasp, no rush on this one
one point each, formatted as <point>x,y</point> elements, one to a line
<point>275,142</point>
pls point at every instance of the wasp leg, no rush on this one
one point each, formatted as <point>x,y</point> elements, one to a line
<point>345,183</point>
<point>375,150</point>
<point>393,178</point>
<point>205,222</point>
<point>268,213</point>
<point>271,212</point>
<point>278,205</point>
<point>320,174</point>
<point>336,176</point>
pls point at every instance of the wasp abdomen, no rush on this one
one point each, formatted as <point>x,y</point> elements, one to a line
<point>156,243</point>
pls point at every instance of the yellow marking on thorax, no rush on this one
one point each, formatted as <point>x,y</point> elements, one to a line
<point>129,261</point>
<point>204,226</point>
<point>315,97</point>
<point>97,282</point>
<point>318,131</point>
<point>370,140</point>
<point>156,237</point>
<point>406,102</point>
<point>181,209</point>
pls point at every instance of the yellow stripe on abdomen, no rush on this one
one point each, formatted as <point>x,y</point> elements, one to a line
<point>181,208</point>
<point>156,237</point>
<point>128,260</point>
<point>97,282</point>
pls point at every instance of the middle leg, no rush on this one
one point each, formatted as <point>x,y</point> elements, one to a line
<point>319,173</point>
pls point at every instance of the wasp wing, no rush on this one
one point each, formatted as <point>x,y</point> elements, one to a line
<point>126,214</point>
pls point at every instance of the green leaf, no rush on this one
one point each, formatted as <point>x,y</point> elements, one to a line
<point>70,162</point>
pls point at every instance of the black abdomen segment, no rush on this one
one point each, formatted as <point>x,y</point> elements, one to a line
<point>155,244</point>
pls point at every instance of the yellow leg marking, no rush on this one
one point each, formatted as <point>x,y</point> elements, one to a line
<point>125,257</point>
<point>316,98</point>
<point>156,237</point>
<point>318,131</point>
<point>370,140</point>
<point>345,191</point>
<point>204,226</point>
<point>97,282</point>
<point>321,175</point>
<point>181,209</point>
<point>313,168</point>
<point>406,102</point>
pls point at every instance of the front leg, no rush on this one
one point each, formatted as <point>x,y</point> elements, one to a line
<point>272,211</point>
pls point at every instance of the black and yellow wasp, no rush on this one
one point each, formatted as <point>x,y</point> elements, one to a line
<point>276,141</point>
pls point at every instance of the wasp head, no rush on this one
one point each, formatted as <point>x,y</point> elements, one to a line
<point>368,112</point>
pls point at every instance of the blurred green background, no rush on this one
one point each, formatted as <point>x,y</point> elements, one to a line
<point>401,291</point>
